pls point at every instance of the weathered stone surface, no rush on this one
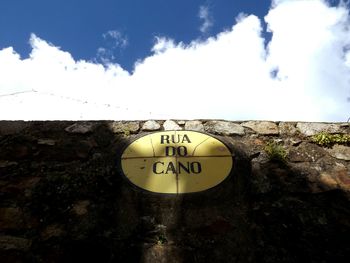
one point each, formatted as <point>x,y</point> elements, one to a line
<point>14,243</point>
<point>342,175</point>
<point>125,127</point>
<point>170,125</point>
<point>312,128</point>
<point>162,254</point>
<point>194,126</point>
<point>49,142</point>
<point>21,188</point>
<point>260,182</point>
<point>66,150</point>
<point>262,127</point>
<point>81,207</point>
<point>80,128</point>
<point>11,218</point>
<point>306,152</point>
<point>51,231</point>
<point>224,127</point>
<point>15,151</point>
<point>328,182</point>
<point>150,125</point>
<point>13,127</point>
<point>345,125</point>
<point>287,128</point>
<point>340,152</point>
<point>335,177</point>
<point>72,203</point>
<point>4,163</point>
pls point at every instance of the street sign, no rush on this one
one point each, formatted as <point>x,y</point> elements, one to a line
<point>175,162</point>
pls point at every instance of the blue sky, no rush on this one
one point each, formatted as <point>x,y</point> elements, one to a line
<point>79,25</point>
<point>223,59</point>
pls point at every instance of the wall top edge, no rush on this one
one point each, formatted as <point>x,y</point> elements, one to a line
<point>220,127</point>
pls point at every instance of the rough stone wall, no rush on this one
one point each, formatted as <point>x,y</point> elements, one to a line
<point>63,198</point>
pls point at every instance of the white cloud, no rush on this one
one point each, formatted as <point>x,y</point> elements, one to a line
<point>207,19</point>
<point>225,77</point>
<point>118,39</point>
<point>307,47</point>
<point>162,44</point>
<point>115,43</point>
<point>106,56</point>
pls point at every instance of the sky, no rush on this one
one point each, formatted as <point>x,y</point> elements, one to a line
<point>280,60</point>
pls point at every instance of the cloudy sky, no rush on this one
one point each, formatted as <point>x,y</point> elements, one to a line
<point>284,60</point>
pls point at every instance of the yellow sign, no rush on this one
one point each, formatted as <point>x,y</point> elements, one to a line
<point>176,162</point>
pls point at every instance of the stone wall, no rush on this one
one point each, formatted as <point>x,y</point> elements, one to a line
<point>63,198</point>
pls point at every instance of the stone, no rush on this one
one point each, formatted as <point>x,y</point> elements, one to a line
<point>21,187</point>
<point>11,218</point>
<point>343,177</point>
<point>194,126</point>
<point>344,124</point>
<point>46,142</point>
<point>287,128</point>
<point>125,127</point>
<point>14,243</point>
<point>4,163</point>
<point>80,128</point>
<point>68,149</point>
<point>340,152</point>
<point>224,127</point>
<point>81,207</point>
<point>181,122</point>
<point>150,125</point>
<point>17,151</point>
<point>306,152</point>
<point>327,181</point>
<point>161,254</point>
<point>262,127</point>
<point>295,142</point>
<point>313,128</point>
<point>260,183</point>
<point>82,149</point>
<point>170,125</point>
<point>53,230</point>
<point>13,127</point>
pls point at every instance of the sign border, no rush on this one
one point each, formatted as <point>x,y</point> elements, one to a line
<point>136,187</point>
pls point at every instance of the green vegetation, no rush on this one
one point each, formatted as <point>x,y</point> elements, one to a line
<point>276,152</point>
<point>328,140</point>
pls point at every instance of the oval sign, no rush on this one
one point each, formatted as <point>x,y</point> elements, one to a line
<point>175,162</point>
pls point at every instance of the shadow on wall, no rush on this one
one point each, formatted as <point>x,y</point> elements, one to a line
<point>297,213</point>
<point>61,195</point>
<point>195,227</point>
<point>64,199</point>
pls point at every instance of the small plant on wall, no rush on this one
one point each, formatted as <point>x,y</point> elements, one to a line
<point>327,140</point>
<point>276,152</point>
